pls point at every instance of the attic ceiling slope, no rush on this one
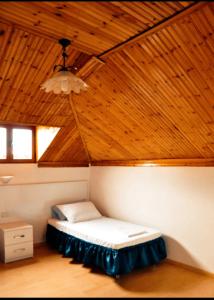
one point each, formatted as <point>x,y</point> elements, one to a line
<point>26,61</point>
<point>154,98</point>
<point>67,148</point>
<point>94,27</point>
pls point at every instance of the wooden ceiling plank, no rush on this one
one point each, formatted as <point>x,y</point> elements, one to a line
<point>184,3</point>
<point>183,112</point>
<point>192,78</point>
<point>159,108</point>
<point>160,9</point>
<point>136,14</point>
<point>6,33</point>
<point>66,146</point>
<point>189,52</point>
<point>47,29</point>
<point>84,26</point>
<point>73,108</point>
<point>87,33</point>
<point>113,20</point>
<point>107,125</point>
<point>178,5</point>
<point>165,8</point>
<point>152,101</point>
<point>25,61</point>
<point>102,24</point>
<point>111,146</point>
<point>155,28</point>
<point>12,70</point>
<point>36,71</point>
<point>133,105</point>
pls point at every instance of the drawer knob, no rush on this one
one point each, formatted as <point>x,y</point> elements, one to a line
<point>19,236</point>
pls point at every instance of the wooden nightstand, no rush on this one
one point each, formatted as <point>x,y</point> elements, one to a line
<point>16,241</point>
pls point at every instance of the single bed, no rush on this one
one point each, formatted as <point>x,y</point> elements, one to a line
<point>115,246</point>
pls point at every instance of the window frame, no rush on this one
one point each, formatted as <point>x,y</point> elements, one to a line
<point>10,158</point>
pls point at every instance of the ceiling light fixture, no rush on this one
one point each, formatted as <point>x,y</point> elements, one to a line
<point>64,81</point>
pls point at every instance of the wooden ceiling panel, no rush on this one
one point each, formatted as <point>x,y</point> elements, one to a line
<point>27,61</point>
<point>66,147</point>
<point>155,98</point>
<point>93,27</point>
<point>152,98</point>
<point>117,115</point>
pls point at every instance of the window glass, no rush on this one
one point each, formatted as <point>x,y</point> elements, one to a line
<point>45,136</point>
<point>22,143</point>
<point>3,143</point>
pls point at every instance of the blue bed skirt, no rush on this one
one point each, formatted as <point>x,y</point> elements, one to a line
<point>111,261</point>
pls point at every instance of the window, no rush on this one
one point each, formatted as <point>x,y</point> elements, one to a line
<point>3,143</point>
<point>44,137</point>
<point>17,144</point>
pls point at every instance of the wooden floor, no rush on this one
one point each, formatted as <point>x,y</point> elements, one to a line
<point>50,275</point>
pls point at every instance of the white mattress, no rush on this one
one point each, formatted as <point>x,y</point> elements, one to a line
<point>107,232</point>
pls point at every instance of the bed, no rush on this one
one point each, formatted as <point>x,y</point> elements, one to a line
<point>117,247</point>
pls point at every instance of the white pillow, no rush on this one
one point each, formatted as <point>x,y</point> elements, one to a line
<point>81,211</point>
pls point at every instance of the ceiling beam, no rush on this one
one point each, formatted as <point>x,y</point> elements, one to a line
<point>194,162</point>
<point>167,21</point>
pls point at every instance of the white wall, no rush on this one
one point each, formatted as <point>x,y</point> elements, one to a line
<point>177,200</point>
<point>33,190</point>
<point>28,173</point>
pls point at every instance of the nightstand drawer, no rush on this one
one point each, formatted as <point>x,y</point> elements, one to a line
<point>18,251</point>
<point>18,236</point>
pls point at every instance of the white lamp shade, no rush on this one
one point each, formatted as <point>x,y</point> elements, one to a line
<point>64,82</point>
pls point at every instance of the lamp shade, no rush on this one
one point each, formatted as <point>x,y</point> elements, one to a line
<point>64,82</point>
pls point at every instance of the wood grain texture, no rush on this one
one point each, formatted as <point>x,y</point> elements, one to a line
<point>158,162</point>
<point>161,24</point>
<point>26,62</point>
<point>154,99</point>
<point>92,26</point>
<point>67,147</point>
<point>48,274</point>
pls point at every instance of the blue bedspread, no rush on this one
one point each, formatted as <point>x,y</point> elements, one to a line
<point>111,261</point>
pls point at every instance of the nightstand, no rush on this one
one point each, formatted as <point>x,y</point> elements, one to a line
<point>16,241</point>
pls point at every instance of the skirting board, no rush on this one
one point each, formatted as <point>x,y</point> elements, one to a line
<point>190,268</point>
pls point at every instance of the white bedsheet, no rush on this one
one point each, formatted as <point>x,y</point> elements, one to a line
<point>107,232</point>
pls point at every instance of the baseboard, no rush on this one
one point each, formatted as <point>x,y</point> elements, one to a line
<point>189,268</point>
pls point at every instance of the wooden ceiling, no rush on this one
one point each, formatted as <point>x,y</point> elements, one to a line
<point>93,27</point>
<point>150,71</point>
<point>66,149</point>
